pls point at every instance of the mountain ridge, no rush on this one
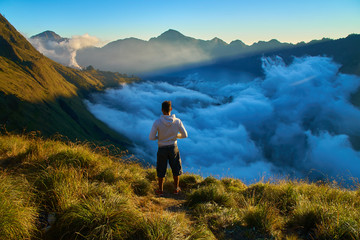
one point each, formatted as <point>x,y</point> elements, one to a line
<point>170,50</point>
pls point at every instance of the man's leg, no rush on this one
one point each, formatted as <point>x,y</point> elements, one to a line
<point>175,164</point>
<point>161,166</point>
<point>161,184</point>
<point>176,182</point>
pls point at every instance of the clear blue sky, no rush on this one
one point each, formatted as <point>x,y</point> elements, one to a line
<point>249,21</point>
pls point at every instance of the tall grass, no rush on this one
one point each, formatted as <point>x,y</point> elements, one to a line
<point>161,226</point>
<point>97,218</point>
<point>17,212</point>
<point>265,219</point>
<point>60,188</point>
<point>94,195</point>
<point>211,194</point>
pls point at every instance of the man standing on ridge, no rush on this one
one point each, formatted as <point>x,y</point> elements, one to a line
<point>167,129</point>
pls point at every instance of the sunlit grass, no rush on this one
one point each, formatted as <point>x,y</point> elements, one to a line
<point>97,217</point>
<point>95,195</point>
<point>18,213</point>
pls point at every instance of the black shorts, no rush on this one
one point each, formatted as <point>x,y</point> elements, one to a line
<point>172,154</point>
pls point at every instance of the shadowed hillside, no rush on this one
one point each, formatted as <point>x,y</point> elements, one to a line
<point>39,94</point>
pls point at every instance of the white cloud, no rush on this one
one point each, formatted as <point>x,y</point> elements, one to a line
<point>297,118</point>
<point>65,51</point>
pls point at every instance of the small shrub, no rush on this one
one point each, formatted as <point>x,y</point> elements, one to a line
<point>213,194</point>
<point>284,197</point>
<point>187,181</point>
<point>107,175</point>
<point>306,217</point>
<point>210,181</point>
<point>141,187</point>
<point>233,185</point>
<point>255,192</point>
<point>265,219</point>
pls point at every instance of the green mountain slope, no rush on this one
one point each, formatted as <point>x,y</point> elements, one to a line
<point>39,94</point>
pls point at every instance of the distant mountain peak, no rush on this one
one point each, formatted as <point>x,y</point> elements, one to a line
<point>238,43</point>
<point>218,41</point>
<point>274,41</point>
<point>49,35</point>
<point>171,35</point>
<point>172,32</point>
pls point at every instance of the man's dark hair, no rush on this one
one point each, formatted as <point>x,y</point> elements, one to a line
<point>166,106</point>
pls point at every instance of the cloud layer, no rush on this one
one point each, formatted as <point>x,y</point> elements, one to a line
<point>295,121</point>
<point>64,51</point>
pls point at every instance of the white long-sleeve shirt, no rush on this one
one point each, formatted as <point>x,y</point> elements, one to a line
<point>167,129</point>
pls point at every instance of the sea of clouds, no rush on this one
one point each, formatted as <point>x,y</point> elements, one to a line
<point>295,121</point>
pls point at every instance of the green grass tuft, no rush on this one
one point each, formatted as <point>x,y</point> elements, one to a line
<point>17,211</point>
<point>210,181</point>
<point>265,219</point>
<point>233,185</point>
<point>60,188</point>
<point>189,181</point>
<point>164,227</point>
<point>71,158</point>
<point>211,194</point>
<point>141,187</point>
<point>97,218</point>
<point>107,175</point>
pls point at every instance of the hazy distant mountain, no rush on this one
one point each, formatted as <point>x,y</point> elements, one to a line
<point>49,35</point>
<point>169,50</point>
<point>345,51</point>
<point>174,37</point>
<point>172,50</point>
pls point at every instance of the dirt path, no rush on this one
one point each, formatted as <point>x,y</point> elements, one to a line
<point>167,202</point>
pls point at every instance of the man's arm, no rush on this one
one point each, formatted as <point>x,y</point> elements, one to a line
<point>152,135</point>
<point>182,131</point>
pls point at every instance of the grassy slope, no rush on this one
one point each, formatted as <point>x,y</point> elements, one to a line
<point>94,195</point>
<point>37,93</point>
